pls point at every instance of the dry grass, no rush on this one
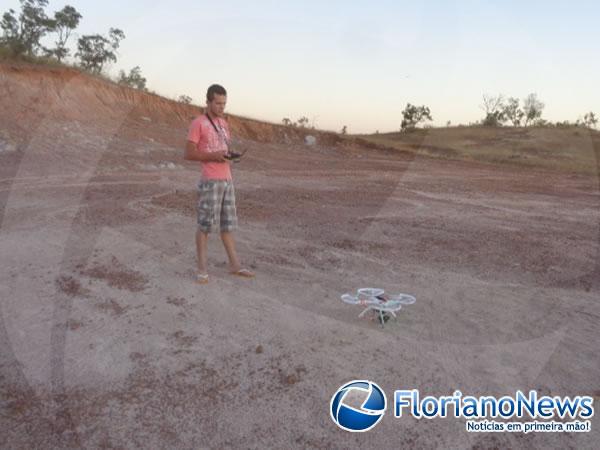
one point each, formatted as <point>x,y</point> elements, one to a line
<point>7,55</point>
<point>565,148</point>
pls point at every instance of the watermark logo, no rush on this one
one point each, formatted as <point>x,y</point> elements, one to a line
<point>358,406</point>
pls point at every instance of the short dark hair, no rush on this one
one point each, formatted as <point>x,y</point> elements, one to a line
<point>215,89</point>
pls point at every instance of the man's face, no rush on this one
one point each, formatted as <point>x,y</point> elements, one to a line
<point>217,105</point>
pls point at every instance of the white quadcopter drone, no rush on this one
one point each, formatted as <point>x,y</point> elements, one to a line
<point>375,300</point>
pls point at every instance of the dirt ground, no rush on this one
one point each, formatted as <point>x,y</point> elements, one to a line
<point>106,341</point>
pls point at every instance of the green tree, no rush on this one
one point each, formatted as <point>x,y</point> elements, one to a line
<point>95,50</point>
<point>494,110</point>
<point>134,79</point>
<point>532,108</point>
<point>22,34</point>
<point>590,120</point>
<point>65,21</point>
<point>185,99</point>
<point>10,32</point>
<point>513,112</point>
<point>413,115</point>
<point>303,121</point>
<point>287,122</point>
<point>344,130</point>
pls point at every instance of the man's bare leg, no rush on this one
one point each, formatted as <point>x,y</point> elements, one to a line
<point>234,262</point>
<point>201,250</point>
<point>229,244</point>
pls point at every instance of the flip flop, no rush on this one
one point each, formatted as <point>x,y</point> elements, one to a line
<point>202,278</point>
<point>245,273</point>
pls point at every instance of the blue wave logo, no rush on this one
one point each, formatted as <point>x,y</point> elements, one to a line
<point>354,419</point>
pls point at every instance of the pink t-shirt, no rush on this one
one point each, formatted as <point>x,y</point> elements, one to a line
<point>207,139</point>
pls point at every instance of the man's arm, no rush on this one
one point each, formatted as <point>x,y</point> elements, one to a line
<point>192,154</point>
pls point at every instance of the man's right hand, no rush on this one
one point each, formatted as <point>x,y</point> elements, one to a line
<point>218,156</point>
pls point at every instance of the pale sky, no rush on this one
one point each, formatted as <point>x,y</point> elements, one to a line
<point>358,63</point>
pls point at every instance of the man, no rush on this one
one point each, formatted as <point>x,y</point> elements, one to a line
<point>208,142</point>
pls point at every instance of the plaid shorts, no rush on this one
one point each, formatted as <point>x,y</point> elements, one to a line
<point>216,206</point>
